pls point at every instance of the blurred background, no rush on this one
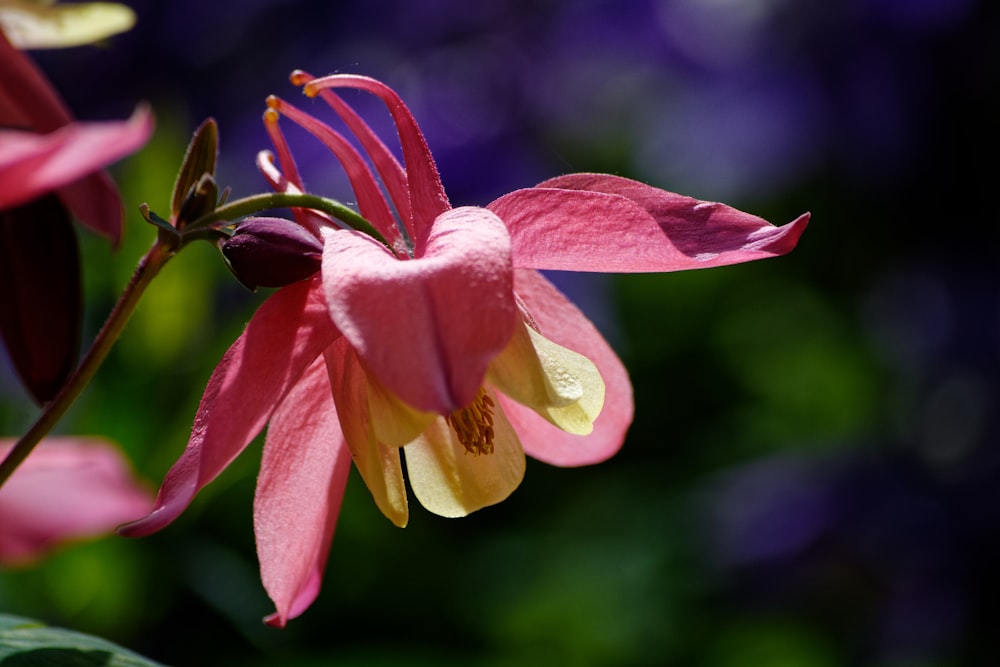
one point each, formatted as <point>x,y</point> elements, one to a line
<point>812,477</point>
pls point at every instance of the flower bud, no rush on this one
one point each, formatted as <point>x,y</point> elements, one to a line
<point>271,252</point>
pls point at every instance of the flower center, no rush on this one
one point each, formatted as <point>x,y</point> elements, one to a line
<point>474,425</point>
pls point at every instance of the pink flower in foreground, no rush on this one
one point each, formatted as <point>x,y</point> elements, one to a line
<point>445,344</point>
<point>50,168</point>
<point>68,489</point>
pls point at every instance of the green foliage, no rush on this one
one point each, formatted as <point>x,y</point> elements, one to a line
<point>27,643</point>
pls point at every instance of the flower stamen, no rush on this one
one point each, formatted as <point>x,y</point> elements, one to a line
<point>474,425</point>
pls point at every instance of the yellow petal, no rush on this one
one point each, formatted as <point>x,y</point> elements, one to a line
<point>382,471</point>
<point>559,384</point>
<point>45,25</point>
<point>380,466</point>
<point>451,482</point>
<point>394,422</point>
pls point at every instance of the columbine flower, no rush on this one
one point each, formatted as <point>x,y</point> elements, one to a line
<point>443,343</point>
<point>50,167</point>
<point>68,489</point>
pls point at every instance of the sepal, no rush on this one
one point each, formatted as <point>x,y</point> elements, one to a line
<point>195,192</point>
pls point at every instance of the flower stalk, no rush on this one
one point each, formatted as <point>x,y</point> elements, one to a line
<point>248,205</point>
<point>149,266</point>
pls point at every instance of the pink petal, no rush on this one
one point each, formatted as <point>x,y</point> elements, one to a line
<point>27,100</point>
<point>561,322</point>
<point>597,222</point>
<point>426,328</point>
<point>427,197</point>
<point>303,474</point>
<point>69,488</point>
<point>69,160</point>
<point>285,335</point>
<point>95,202</point>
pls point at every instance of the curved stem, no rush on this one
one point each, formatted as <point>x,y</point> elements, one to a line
<point>253,204</point>
<point>149,266</point>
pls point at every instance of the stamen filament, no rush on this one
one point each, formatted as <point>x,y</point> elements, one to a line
<point>370,199</point>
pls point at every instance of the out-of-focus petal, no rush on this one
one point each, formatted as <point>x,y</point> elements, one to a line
<point>285,335</point>
<point>41,308</point>
<point>379,465</point>
<point>27,100</point>
<point>562,323</point>
<point>69,161</point>
<point>68,488</point>
<point>451,482</point>
<point>303,474</point>
<point>598,222</point>
<point>46,25</point>
<point>426,328</point>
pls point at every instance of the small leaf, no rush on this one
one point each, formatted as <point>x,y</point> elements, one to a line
<point>152,218</point>
<point>28,643</point>
<point>202,153</point>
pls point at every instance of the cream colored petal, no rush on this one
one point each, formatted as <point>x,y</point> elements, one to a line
<point>394,422</point>
<point>559,384</point>
<point>382,471</point>
<point>45,25</point>
<point>380,466</point>
<point>451,482</point>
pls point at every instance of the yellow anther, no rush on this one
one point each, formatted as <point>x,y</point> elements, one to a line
<point>474,425</point>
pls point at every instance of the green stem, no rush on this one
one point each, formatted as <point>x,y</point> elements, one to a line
<point>255,203</point>
<point>149,266</point>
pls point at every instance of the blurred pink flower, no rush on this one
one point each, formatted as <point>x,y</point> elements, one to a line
<point>445,342</point>
<point>42,149</point>
<point>68,489</point>
<point>50,167</point>
<point>68,161</point>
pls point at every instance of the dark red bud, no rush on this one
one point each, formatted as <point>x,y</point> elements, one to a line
<point>272,252</point>
<point>41,306</point>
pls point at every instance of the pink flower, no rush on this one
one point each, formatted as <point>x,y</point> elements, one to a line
<point>444,343</point>
<point>43,150</point>
<point>68,489</point>
<point>50,167</point>
<point>68,161</point>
